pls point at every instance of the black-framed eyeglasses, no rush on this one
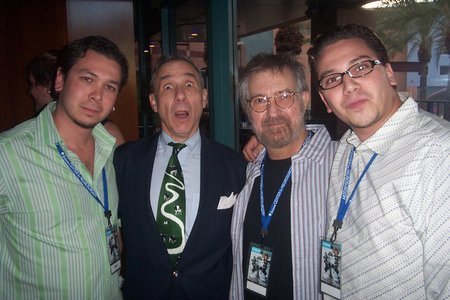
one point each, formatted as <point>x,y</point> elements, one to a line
<point>357,70</point>
<point>283,99</point>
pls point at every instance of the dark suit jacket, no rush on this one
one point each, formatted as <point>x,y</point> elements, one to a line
<point>204,269</point>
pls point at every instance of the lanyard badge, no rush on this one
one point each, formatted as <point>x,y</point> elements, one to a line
<point>330,279</point>
<point>260,256</point>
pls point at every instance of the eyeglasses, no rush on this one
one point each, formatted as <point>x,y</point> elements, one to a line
<point>283,100</point>
<point>357,70</point>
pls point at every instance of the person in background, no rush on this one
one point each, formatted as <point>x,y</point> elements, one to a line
<point>41,72</point>
<point>389,196</point>
<point>280,215</point>
<point>176,193</point>
<point>58,195</point>
<point>114,130</point>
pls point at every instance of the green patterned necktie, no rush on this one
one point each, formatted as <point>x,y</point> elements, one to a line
<point>171,206</point>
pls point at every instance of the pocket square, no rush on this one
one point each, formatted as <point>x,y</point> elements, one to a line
<point>226,202</point>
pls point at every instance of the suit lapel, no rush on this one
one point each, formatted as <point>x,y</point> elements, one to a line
<point>209,164</point>
<point>145,163</point>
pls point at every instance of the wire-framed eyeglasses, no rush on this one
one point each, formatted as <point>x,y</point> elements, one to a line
<point>357,70</point>
<point>283,99</point>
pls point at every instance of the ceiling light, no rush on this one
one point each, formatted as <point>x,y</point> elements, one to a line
<point>373,4</point>
<point>381,4</point>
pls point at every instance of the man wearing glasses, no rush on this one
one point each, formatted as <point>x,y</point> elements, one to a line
<point>279,216</point>
<point>389,196</point>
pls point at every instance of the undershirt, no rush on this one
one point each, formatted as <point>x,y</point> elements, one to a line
<point>279,233</point>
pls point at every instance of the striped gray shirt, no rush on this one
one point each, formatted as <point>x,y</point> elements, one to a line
<point>396,233</point>
<point>310,173</point>
<point>52,231</point>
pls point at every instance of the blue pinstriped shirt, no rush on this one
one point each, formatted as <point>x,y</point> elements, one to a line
<point>310,174</point>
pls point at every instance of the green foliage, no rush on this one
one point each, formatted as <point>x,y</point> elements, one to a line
<point>420,23</point>
<point>423,24</point>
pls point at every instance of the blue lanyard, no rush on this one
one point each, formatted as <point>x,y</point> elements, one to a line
<point>87,185</point>
<point>345,203</point>
<point>265,220</point>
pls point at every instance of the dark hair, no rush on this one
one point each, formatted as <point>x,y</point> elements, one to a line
<point>163,60</point>
<point>273,62</point>
<point>77,49</point>
<point>43,67</point>
<point>343,32</point>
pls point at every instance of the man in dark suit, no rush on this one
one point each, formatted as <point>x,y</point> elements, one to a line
<point>213,175</point>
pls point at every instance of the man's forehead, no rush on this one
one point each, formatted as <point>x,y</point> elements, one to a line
<point>352,47</point>
<point>93,59</point>
<point>343,54</point>
<point>284,74</point>
<point>177,68</point>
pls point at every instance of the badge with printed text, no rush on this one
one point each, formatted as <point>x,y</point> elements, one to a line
<point>330,277</point>
<point>258,269</point>
<point>113,248</point>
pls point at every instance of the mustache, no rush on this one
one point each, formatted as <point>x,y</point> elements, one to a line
<point>270,121</point>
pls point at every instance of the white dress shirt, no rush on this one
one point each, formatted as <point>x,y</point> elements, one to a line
<point>395,236</point>
<point>189,158</point>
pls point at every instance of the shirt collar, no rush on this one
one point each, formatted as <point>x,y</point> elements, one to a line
<point>381,141</point>
<point>314,150</point>
<point>191,143</point>
<point>47,134</point>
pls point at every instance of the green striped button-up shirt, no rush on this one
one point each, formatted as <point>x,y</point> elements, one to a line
<point>52,230</point>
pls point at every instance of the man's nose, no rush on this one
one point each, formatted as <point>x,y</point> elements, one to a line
<point>96,94</point>
<point>349,83</point>
<point>180,94</point>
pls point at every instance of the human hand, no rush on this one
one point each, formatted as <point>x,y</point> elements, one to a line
<point>252,149</point>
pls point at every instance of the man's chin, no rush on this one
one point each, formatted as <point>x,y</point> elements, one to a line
<point>86,125</point>
<point>275,142</point>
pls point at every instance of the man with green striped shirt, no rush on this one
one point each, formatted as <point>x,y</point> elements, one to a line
<point>58,198</point>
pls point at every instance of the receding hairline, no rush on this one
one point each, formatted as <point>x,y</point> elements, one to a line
<point>194,73</point>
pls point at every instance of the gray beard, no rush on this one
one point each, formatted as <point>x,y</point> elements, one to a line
<point>278,138</point>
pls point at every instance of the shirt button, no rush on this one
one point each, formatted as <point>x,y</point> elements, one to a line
<point>175,274</point>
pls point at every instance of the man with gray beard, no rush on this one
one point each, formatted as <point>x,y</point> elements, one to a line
<point>279,216</point>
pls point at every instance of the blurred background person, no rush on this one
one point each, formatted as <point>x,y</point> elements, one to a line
<point>40,73</point>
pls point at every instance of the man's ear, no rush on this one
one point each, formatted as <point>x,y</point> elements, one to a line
<point>329,110</point>
<point>204,98</point>
<point>59,80</point>
<point>390,74</point>
<point>306,97</point>
<point>153,102</point>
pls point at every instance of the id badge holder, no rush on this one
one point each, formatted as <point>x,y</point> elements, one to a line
<point>258,269</point>
<point>330,275</point>
<point>113,248</point>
